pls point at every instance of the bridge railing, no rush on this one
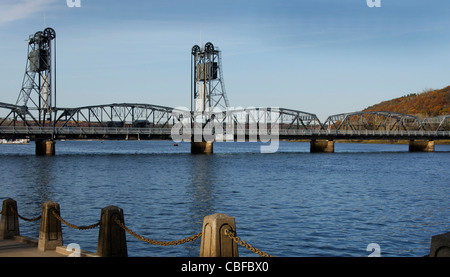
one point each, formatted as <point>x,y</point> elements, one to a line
<point>252,132</point>
<point>368,133</point>
<point>36,130</point>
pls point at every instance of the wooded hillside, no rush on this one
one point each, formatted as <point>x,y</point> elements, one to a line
<point>428,103</point>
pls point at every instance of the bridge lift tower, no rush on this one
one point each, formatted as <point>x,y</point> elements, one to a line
<point>207,89</point>
<point>38,91</point>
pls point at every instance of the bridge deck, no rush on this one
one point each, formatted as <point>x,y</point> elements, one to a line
<point>166,133</point>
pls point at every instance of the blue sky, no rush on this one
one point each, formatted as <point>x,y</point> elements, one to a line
<point>319,56</point>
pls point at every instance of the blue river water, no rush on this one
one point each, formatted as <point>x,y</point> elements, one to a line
<point>289,204</point>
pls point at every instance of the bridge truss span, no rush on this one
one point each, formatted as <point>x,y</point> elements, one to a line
<point>388,121</point>
<point>285,118</point>
<point>14,114</point>
<point>437,123</point>
<point>115,115</point>
<point>147,121</point>
<point>110,121</point>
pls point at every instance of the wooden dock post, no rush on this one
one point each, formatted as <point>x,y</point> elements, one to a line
<point>50,234</point>
<point>111,237</point>
<point>9,226</point>
<point>214,241</point>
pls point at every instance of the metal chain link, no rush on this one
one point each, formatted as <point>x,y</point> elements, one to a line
<point>29,219</point>
<point>24,218</point>
<point>154,242</point>
<point>229,233</point>
<point>232,235</point>
<point>75,226</point>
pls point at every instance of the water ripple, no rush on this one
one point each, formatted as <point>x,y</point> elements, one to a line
<point>290,203</point>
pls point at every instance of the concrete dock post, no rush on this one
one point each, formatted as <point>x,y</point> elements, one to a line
<point>9,226</point>
<point>50,234</point>
<point>214,241</point>
<point>111,237</point>
<point>440,245</point>
<point>326,146</point>
<point>45,147</point>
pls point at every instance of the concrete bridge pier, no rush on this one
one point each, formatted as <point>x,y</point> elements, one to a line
<point>421,146</point>
<point>322,146</point>
<point>45,147</point>
<point>203,147</point>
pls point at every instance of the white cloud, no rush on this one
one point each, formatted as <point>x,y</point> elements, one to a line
<point>13,10</point>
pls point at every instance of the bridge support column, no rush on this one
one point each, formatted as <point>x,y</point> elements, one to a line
<point>421,146</point>
<point>203,147</point>
<point>326,146</point>
<point>45,147</point>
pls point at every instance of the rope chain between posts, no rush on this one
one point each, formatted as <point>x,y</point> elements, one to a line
<point>21,217</point>
<point>229,233</point>
<point>155,242</point>
<point>232,235</point>
<point>74,226</point>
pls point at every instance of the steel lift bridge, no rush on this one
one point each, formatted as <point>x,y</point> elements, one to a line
<point>37,117</point>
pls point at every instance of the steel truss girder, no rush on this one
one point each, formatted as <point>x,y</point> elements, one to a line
<point>115,115</point>
<point>148,115</point>
<point>437,123</point>
<point>372,121</point>
<point>241,121</point>
<point>17,115</point>
<point>285,118</point>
